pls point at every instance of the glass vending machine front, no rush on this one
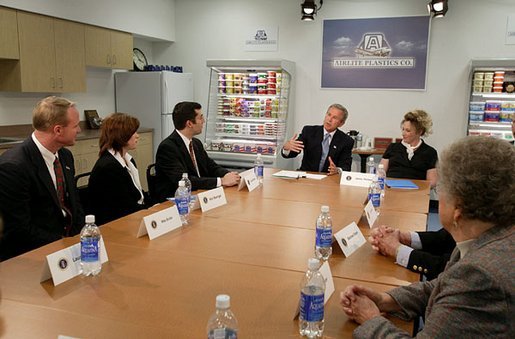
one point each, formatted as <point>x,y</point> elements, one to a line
<point>247,113</point>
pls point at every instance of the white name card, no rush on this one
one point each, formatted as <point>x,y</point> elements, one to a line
<point>212,199</point>
<point>159,223</point>
<point>370,213</point>
<point>325,270</point>
<point>249,179</point>
<point>64,264</point>
<point>356,179</point>
<point>350,239</point>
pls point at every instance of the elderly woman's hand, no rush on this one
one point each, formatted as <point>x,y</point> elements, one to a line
<point>360,303</point>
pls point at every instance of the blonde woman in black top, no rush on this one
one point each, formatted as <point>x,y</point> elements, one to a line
<point>412,158</point>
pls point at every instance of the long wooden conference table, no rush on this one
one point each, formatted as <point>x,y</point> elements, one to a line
<point>255,249</point>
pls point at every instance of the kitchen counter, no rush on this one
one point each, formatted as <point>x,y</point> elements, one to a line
<point>23,131</point>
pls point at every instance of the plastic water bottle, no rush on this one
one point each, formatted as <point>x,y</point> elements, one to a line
<point>222,324</point>
<point>324,234</point>
<point>89,247</point>
<point>371,165</point>
<point>374,193</point>
<point>259,167</point>
<point>381,177</point>
<point>187,182</point>
<point>182,200</point>
<point>312,289</point>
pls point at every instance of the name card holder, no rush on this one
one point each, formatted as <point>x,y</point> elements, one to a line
<point>350,239</point>
<point>159,223</point>
<point>356,179</point>
<point>248,179</point>
<point>64,264</point>
<point>212,199</point>
<point>370,213</point>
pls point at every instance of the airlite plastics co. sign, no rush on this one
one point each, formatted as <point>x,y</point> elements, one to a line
<point>387,53</point>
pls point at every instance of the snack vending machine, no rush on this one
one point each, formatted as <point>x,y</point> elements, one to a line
<point>249,111</point>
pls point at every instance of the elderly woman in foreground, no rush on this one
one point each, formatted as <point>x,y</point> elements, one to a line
<point>473,297</point>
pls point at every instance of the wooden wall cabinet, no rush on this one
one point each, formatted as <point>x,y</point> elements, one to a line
<point>51,56</point>
<point>108,48</point>
<point>8,34</point>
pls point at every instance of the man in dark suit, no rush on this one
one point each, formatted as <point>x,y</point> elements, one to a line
<point>38,198</point>
<point>182,153</point>
<point>421,252</point>
<point>325,147</point>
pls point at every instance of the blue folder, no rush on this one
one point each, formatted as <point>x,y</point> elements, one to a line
<point>401,183</point>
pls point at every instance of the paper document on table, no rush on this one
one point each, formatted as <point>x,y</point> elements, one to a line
<point>315,176</point>
<point>290,174</point>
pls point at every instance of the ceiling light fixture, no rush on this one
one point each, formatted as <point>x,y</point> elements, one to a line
<point>438,8</point>
<point>309,9</point>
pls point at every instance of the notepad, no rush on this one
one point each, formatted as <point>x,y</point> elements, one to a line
<point>402,184</point>
<point>290,174</point>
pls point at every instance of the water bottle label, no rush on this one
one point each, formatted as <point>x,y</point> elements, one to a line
<point>222,333</point>
<point>376,199</point>
<point>182,205</point>
<point>89,250</point>
<point>311,307</point>
<point>381,183</point>
<point>324,237</point>
<point>259,171</point>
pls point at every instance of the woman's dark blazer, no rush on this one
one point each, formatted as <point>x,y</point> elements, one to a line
<point>112,193</point>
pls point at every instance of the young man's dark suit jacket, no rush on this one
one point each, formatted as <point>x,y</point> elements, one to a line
<point>434,255</point>
<point>340,149</point>
<point>173,159</point>
<point>112,193</point>
<point>28,200</point>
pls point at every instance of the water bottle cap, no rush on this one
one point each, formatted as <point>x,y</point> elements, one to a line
<point>90,219</point>
<point>313,264</point>
<point>223,301</point>
<point>184,175</point>
<point>182,184</point>
<point>324,208</point>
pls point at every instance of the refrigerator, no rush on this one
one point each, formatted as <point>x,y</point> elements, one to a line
<point>492,98</point>
<point>249,111</point>
<point>151,97</point>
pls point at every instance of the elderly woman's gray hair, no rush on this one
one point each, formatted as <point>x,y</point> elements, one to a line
<point>478,173</point>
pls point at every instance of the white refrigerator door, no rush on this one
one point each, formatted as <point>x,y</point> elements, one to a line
<point>176,87</point>
<point>139,94</point>
<point>166,125</point>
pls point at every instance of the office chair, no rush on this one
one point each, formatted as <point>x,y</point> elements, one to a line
<point>81,184</point>
<point>151,183</point>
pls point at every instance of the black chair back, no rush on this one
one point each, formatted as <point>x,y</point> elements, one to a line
<point>151,183</point>
<point>81,184</point>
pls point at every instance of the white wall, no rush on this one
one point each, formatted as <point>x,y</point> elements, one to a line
<point>153,18</point>
<point>207,29</point>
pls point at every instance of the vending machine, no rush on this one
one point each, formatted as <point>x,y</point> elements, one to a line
<point>249,111</point>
